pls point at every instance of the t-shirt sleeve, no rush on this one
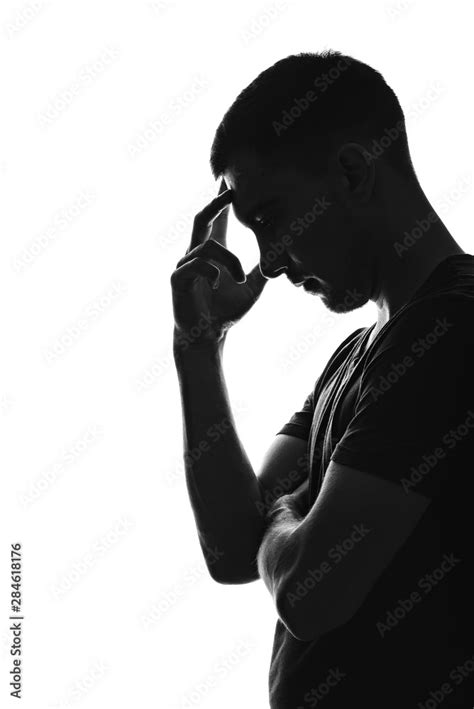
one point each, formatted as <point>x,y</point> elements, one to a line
<point>414,419</point>
<point>299,424</point>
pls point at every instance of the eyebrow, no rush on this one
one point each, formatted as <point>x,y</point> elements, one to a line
<point>247,218</point>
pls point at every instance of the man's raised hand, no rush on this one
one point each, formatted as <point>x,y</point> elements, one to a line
<point>210,289</point>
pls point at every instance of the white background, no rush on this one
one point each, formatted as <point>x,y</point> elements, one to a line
<point>108,113</point>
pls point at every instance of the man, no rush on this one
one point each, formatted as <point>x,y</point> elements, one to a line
<point>360,520</point>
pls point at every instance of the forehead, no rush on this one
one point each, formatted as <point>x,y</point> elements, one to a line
<point>254,179</point>
<point>247,174</point>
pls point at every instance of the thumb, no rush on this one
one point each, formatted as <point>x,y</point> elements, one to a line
<point>255,281</point>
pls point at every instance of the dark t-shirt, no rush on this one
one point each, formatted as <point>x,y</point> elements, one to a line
<point>401,409</point>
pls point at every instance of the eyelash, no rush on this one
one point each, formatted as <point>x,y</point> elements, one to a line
<point>263,223</point>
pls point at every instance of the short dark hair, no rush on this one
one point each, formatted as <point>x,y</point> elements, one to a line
<point>313,99</point>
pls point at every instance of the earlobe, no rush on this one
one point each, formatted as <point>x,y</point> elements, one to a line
<point>365,188</point>
<point>357,173</point>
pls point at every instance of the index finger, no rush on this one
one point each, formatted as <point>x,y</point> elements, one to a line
<point>219,225</point>
<point>205,221</point>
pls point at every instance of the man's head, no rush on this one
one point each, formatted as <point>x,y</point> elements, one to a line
<point>313,142</point>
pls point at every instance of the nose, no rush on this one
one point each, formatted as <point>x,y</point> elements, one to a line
<point>272,261</point>
<point>271,272</point>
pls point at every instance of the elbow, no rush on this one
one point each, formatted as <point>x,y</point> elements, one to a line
<point>305,614</point>
<point>296,606</point>
<point>227,564</point>
<point>295,622</point>
<point>233,574</point>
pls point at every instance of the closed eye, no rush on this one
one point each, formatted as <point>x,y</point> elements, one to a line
<point>262,223</point>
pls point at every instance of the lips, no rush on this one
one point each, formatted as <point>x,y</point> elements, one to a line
<point>314,285</point>
<point>297,279</point>
<point>305,280</point>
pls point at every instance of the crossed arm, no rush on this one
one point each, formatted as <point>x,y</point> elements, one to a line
<point>320,568</point>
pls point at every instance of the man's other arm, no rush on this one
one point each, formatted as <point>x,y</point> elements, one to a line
<point>228,499</point>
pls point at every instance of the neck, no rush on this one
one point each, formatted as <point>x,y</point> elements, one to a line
<point>415,242</point>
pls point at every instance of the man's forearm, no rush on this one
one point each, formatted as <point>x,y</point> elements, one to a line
<point>224,491</point>
<point>277,551</point>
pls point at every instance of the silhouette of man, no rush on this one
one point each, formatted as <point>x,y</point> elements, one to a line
<point>359,522</point>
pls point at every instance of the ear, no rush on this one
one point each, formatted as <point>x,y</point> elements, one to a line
<point>356,174</point>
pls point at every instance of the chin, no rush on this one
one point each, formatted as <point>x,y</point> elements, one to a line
<point>342,302</point>
<point>337,307</point>
<point>337,300</point>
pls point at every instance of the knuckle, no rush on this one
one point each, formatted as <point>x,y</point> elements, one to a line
<point>205,248</point>
<point>199,218</point>
<point>215,249</point>
<point>187,257</point>
<point>221,254</point>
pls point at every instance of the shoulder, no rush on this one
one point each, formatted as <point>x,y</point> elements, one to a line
<point>445,319</point>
